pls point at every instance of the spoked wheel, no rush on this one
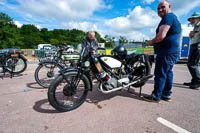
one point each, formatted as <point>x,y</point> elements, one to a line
<point>46,72</point>
<point>16,65</point>
<point>68,92</point>
<point>141,69</point>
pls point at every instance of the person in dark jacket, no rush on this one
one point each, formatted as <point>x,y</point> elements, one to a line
<point>90,41</point>
<point>194,55</point>
<point>166,47</point>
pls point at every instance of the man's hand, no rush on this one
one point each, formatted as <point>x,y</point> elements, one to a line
<point>149,43</point>
<point>191,34</point>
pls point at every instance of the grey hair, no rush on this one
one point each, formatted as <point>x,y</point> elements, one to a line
<point>91,32</point>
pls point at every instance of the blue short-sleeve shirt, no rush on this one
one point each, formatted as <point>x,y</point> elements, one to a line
<point>171,43</point>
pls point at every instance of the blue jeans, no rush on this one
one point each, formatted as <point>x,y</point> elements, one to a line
<point>164,75</point>
<point>193,63</point>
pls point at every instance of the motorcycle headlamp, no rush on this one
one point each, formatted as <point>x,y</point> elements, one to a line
<point>86,64</point>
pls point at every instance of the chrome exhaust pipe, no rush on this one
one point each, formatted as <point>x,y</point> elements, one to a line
<point>124,86</point>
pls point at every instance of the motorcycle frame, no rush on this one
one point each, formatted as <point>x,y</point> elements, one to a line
<point>86,71</point>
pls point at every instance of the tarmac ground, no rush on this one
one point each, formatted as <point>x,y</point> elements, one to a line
<point>119,112</point>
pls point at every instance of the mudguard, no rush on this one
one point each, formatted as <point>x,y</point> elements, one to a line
<point>22,56</point>
<point>139,57</point>
<point>51,62</point>
<point>70,69</point>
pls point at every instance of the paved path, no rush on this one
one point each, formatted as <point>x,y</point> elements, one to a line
<point>119,112</point>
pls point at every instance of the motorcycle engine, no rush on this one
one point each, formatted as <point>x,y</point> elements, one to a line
<point>109,82</point>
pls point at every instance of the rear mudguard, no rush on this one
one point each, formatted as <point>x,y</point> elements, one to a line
<point>70,69</point>
<point>139,57</point>
<point>51,62</point>
<point>147,59</point>
<point>22,56</point>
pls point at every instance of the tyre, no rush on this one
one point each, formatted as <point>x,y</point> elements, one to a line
<point>64,96</point>
<point>46,72</point>
<point>141,69</point>
<point>16,65</point>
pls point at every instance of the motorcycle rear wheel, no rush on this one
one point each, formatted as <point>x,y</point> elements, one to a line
<point>16,65</point>
<point>141,69</point>
<point>64,96</point>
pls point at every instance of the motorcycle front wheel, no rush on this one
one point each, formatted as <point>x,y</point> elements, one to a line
<point>67,92</point>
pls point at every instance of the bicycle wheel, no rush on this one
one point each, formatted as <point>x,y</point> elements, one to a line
<point>46,72</point>
<point>16,65</point>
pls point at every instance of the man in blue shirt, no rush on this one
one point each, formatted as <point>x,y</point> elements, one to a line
<point>167,47</point>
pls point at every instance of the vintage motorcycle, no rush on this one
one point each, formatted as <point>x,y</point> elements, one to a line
<point>113,72</point>
<point>48,68</point>
<point>12,61</point>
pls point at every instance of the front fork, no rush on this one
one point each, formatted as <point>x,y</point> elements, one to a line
<point>75,80</point>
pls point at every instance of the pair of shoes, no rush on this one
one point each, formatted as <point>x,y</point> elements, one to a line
<point>151,99</point>
<point>195,86</point>
<point>187,83</point>
<point>165,98</point>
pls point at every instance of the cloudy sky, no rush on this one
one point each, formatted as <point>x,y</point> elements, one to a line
<point>134,19</point>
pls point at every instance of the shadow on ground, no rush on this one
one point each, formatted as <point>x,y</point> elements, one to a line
<point>34,85</point>
<point>178,85</point>
<point>43,106</point>
<point>8,75</point>
<point>94,97</point>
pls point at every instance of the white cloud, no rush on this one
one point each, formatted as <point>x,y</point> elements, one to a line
<point>149,1</point>
<point>2,2</point>
<point>138,25</point>
<point>134,35</point>
<point>85,26</point>
<point>62,10</point>
<point>132,25</point>
<point>18,24</point>
<point>138,19</point>
<point>38,26</point>
<point>181,7</point>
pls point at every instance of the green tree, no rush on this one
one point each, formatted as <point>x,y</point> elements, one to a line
<point>9,33</point>
<point>45,35</point>
<point>54,42</point>
<point>122,40</point>
<point>99,38</point>
<point>5,20</point>
<point>31,36</point>
<point>109,41</point>
<point>10,37</point>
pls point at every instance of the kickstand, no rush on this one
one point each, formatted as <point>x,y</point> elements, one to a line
<point>140,91</point>
<point>129,89</point>
<point>133,93</point>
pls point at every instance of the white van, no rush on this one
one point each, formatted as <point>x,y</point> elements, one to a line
<point>44,46</point>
